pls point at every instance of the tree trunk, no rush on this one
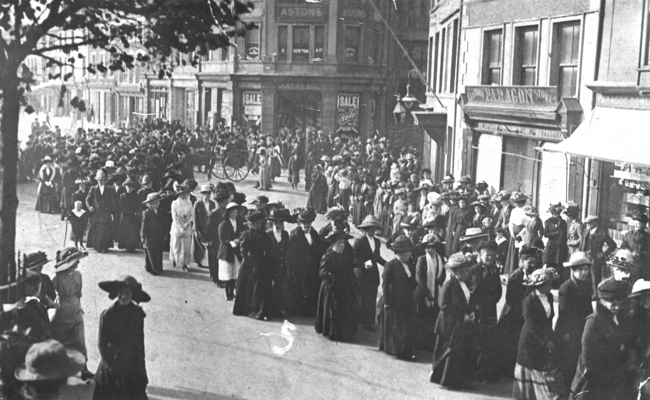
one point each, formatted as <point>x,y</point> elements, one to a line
<point>8,172</point>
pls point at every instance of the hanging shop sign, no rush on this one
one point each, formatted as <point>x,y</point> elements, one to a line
<point>520,131</point>
<point>256,14</point>
<point>301,13</point>
<point>355,13</point>
<point>347,113</point>
<point>252,104</point>
<point>521,96</point>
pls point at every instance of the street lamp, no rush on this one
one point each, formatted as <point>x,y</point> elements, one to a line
<point>399,112</point>
<point>409,99</point>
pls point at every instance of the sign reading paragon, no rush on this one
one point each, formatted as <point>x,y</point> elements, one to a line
<point>347,113</point>
<point>301,13</point>
<point>531,96</point>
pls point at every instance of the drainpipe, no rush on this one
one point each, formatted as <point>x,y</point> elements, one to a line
<point>452,146</point>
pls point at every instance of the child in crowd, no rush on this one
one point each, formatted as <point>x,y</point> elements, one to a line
<point>78,218</point>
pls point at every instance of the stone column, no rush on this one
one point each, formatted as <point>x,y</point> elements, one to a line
<point>268,110</point>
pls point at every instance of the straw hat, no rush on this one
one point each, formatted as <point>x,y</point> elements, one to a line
<point>578,259</point>
<point>457,261</point>
<point>402,245</point>
<point>541,276</point>
<point>531,211</point>
<point>640,288</point>
<point>591,218</point>
<point>49,360</point>
<point>113,287</point>
<point>205,189</point>
<point>429,240</point>
<point>67,257</point>
<point>518,196</point>
<point>370,221</point>
<point>623,259</point>
<point>153,198</point>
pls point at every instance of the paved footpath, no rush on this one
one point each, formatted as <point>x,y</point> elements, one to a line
<point>196,348</point>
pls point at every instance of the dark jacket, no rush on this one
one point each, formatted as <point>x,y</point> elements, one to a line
<point>227,233</point>
<point>212,227</point>
<point>515,293</point>
<point>362,254</point>
<point>593,244</point>
<point>279,249</point>
<point>421,274</point>
<point>34,316</point>
<point>398,287</point>
<point>574,307</point>
<point>453,308</point>
<point>536,335</point>
<point>201,217</point>
<point>487,292</point>
<point>104,205</point>
<point>152,230</point>
<point>555,229</point>
<point>601,369</point>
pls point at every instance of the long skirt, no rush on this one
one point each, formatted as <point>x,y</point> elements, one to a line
<point>265,178</point>
<point>111,386</point>
<point>276,167</point>
<point>100,236</point>
<point>129,232</point>
<point>229,270</point>
<point>317,199</point>
<point>46,202</point>
<point>180,249</point>
<point>512,262</point>
<point>70,332</point>
<point>153,258</point>
<point>395,327</point>
<point>335,315</point>
<point>332,191</point>
<point>213,263</point>
<point>454,357</point>
<point>367,300</point>
<point>531,384</point>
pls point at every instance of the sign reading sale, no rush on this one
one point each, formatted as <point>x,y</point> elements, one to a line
<point>347,115</point>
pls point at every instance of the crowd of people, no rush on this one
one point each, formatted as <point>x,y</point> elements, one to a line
<point>452,242</point>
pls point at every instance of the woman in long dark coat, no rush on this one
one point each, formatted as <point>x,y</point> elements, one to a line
<point>555,253</point>
<point>430,275</point>
<point>122,372</point>
<point>130,209</point>
<point>451,222</point>
<point>367,255</point>
<point>255,279</point>
<point>456,351</point>
<point>304,252</point>
<point>336,316</point>
<point>397,314</point>
<point>537,376</point>
<point>574,307</point>
<point>602,372</point>
<point>464,216</point>
<point>317,199</point>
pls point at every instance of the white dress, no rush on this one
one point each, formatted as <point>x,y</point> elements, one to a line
<point>180,245</point>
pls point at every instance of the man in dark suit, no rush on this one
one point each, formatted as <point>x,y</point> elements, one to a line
<point>152,234</point>
<point>367,255</point>
<point>279,239</point>
<point>101,202</point>
<point>597,243</point>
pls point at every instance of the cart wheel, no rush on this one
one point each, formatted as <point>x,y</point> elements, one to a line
<point>217,169</point>
<point>235,166</point>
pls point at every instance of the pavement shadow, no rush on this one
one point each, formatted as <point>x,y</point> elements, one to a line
<point>194,274</point>
<point>160,393</point>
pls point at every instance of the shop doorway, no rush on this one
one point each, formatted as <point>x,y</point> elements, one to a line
<point>298,110</point>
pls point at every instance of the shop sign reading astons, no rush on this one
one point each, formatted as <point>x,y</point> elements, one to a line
<point>316,12</point>
<point>347,113</point>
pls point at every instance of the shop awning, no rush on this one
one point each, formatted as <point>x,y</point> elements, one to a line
<point>610,134</point>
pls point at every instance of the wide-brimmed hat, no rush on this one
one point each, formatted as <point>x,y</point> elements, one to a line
<point>531,211</point>
<point>145,180</point>
<point>448,179</point>
<point>255,216</point>
<point>503,195</point>
<point>529,251</point>
<point>307,215</point>
<point>335,212</point>
<point>325,158</point>
<point>205,189</point>
<point>641,288</point>
<point>370,221</point>
<point>572,208</point>
<point>67,257</point>
<point>623,259</point>
<point>578,259</point>
<point>113,287</point>
<point>402,245</point>
<point>437,222</point>
<point>101,175</point>
<point>483,198</point>
<point>232,205</point>
<point>280,215</point>
<point>49,360</point>
<point>591,218</point>
<point>35,260</point>
<point>494,199</point>
<point>613,290</point>
<point>541,276</point>
<point>429,240</point>
<point>153,198</point>
<point>434,198</point>
<point>473,234</point>
<point>465,179</point>
<point>481,185</point>
<point>518,196</point>
<point>457,261</point>
<point>478,204</point>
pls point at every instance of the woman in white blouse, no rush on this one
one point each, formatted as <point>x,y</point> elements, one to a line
<point>180,248</point>
<point>516,224</point>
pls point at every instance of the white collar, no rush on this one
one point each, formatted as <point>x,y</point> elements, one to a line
<point>78,213</point>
